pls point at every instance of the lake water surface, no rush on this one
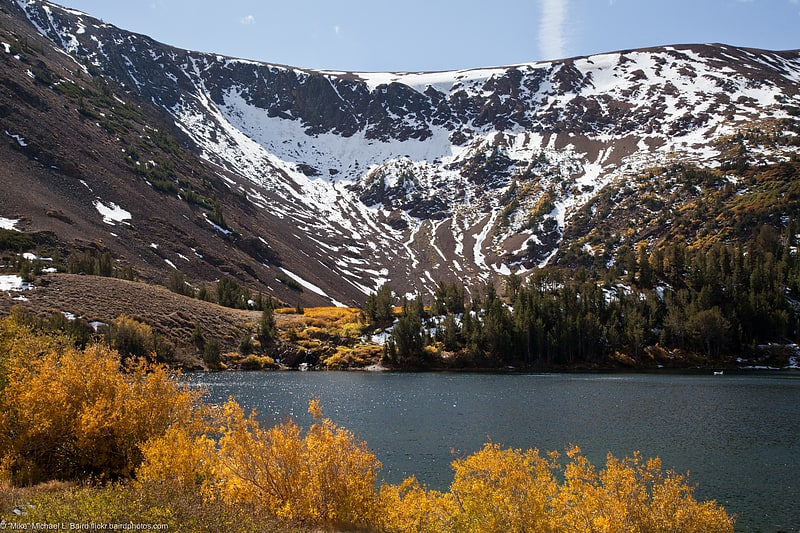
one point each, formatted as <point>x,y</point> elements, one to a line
<point>738,435</point>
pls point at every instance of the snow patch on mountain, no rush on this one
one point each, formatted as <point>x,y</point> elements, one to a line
<point>8,223</point>
<point>310,286</point>
<point>13,283</point>
<point>112,213</point>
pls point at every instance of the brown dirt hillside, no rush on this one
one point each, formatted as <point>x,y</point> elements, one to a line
<point>172,316</point>
<point>72,141</point>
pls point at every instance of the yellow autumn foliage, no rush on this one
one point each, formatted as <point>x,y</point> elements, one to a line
<point>68,413</point>
<point>328,318</point>
<point>503,490</point>
<point>410,508</point>
<point>508,490</point>
<point>321,476</point>
<point>178,459</point>
<point>325,476</point>
<point>353,356</point>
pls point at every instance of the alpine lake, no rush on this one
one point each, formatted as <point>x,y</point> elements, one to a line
<point>736,434</point>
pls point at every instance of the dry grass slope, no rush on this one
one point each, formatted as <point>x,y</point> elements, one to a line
<point>326,332</point>
<point>172,316</point>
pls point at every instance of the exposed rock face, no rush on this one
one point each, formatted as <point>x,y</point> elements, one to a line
<point>416,177</point>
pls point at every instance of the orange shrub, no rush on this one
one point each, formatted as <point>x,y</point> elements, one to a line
<point>410,508</point>
<point>177,459</point>
<point>501,490</point>
<point>497,490</point>
<point>72,413</point>
<point>333,315</point>
<point>324,477</point>
<point>359,355</point>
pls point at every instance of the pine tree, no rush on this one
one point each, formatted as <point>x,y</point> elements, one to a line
<point>379,305</point>
<point>643,264</point>
<point>266,326</point>
<point>408,340</point>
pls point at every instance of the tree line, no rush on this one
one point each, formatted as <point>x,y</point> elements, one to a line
<point>711,303</point>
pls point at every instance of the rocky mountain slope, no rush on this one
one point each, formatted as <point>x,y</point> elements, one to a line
<point>319,186</point>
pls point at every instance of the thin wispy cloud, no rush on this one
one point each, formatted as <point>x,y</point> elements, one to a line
<point>248,20</point>
<point>552,41</point>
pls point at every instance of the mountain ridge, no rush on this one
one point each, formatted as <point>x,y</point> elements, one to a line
<point>412,178</point>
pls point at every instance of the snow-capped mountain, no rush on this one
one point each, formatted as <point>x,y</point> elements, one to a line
<point>412,178</point>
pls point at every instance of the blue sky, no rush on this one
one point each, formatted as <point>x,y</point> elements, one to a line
<point>428,35</point>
